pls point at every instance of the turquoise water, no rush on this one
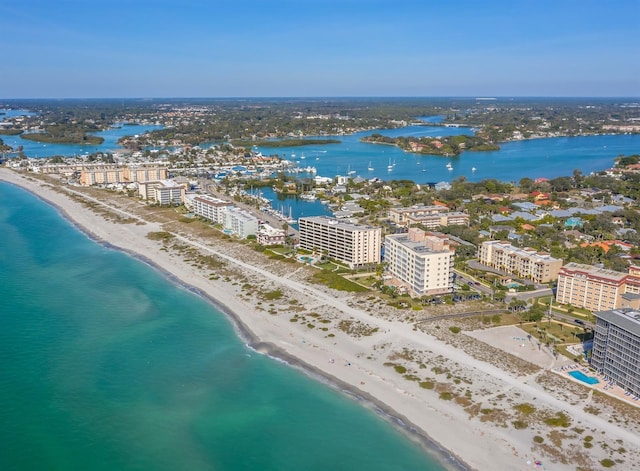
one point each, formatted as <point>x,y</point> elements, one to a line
<point>579,375</point>
<point>107,365</point>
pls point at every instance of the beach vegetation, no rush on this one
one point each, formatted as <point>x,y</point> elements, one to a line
<point>525,408</point>
<point>446,396</point>
<point>559,420</point>
<point>607,463</point>
<point>538,439</point>
<point>427,384</point>
<point>272,295</point>
<point>335,281</point>
<point>160,235</point>
<point>520,424</point>
<point>455,329</point>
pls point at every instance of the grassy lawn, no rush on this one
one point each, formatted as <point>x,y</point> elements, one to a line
<point>334,280</point>
<point>548,331</point>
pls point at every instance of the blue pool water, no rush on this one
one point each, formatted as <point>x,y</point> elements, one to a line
<point>579,375</point>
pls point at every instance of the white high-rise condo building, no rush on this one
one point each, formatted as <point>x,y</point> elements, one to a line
<point>420,262</point>
<point>354,244</point>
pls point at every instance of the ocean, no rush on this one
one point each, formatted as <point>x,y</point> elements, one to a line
<point>107,364</point>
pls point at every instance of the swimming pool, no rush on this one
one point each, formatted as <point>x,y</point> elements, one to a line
<point>579,375</point>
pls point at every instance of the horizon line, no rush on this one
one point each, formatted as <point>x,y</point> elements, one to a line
<point>317,97</point>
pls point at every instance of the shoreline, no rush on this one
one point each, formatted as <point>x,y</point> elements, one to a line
<point>435,450</point>
<point>445,428</point>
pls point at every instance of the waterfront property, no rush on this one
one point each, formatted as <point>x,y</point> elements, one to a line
<point>616,348</point>
<point>419,262</point>
<point>113,174</point>
<point>240,222</point>
<point>269,235</point>
<point>525,263</point>
<point>354,244</point>
<point>208,207</point>
<point>596,288</point>
<point>163,192</point>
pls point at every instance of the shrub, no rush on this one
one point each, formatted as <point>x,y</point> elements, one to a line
<point>455,329</point>
<point>400,369</point>
<point>560,420</point>
<point>271,295</point>
<point>446,396</point>
<point>607,463</point>
<point>427,384</point>
<point>525,409</point>
<point>520,424</point>
<point>538,439</point>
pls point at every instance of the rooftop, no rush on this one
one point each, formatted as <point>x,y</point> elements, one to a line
<point>327,221</point>
<point>625,318</point>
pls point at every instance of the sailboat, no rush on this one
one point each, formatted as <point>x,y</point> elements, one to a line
<point>349,171</point>
<point>449,166</point>
<point>473,169</point>
<point>302,157</point>
<point>370,168</point>
<point>390,166</point>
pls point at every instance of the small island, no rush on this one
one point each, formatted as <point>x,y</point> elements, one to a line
<point>10,131</point>
<point>64,134</point>
<point>445,146</point>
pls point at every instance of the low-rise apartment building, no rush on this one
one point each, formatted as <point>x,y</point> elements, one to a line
<point>524,263</point>
<point>210,208</point>
<point>596,288</point>
<point>114,174</point>
<point>433,221</point>
<point>399,215</point>
<point>616,347</point>
<point>354,244</point>
<point>240,222</point>
<point>420,262</point>
<point>269,235</point>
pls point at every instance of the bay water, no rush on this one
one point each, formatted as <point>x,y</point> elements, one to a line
<point>107,364</point>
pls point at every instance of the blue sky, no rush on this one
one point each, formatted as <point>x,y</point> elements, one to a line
<point>274,48</point>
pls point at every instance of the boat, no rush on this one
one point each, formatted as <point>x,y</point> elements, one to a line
<point>473,169</point>
<point>349,171</point>
<point>302,157</point>
<point>370,168</point>
<point>390,166</point>
<point>449,166</point>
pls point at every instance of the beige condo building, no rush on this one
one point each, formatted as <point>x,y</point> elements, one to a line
<point>420,262</point>
<point>597,289</point>
<point>354,244</point>
<point>163,192</point>
<point>113,174</point>
<point>524,263</point>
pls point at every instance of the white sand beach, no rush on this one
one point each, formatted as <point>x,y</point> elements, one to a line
<point>459,391</point>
